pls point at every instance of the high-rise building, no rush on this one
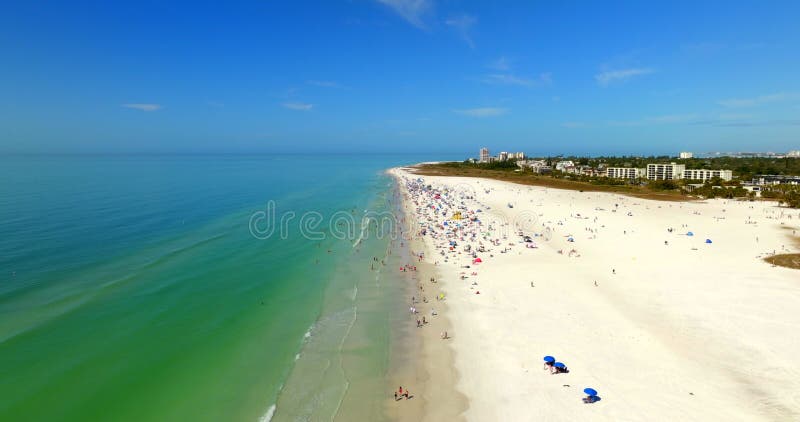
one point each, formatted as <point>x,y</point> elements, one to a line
<point>503,156</point>
<point>685,155</point>
<point>484,155</point>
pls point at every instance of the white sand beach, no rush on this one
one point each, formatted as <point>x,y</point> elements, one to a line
<point>664,325</point>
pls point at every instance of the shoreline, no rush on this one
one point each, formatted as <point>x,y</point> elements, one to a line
<point>427,366</point>
<point>718,297</point>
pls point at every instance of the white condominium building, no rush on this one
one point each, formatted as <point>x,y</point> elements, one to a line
<point>624,172</point>
<point>669,171</point>
<point>703,175</point>
<point>484,155</point>
<point>564,165</point>
<point>686,155</point>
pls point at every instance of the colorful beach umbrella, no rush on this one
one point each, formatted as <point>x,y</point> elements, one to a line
<point>590,391</point>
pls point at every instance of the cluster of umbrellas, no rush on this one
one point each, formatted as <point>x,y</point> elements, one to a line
<point>692,234</point>
<point>590,392</point>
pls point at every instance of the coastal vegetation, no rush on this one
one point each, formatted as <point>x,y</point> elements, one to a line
<point>513,174</point>
<point>744,169</point>
<point>788,260</point>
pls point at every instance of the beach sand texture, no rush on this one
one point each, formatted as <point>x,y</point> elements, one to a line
<point>665,326</point>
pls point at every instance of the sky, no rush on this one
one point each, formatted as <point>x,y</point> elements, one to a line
<point>399,76</point>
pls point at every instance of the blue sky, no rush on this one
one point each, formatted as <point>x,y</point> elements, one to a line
<point>399,76</point>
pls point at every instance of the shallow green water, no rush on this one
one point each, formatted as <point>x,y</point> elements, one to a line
<point>132,288</point>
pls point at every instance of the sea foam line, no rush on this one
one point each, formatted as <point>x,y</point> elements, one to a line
<point>266,417</point>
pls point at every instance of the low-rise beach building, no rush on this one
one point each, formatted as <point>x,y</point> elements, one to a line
<point>776,179</point>
<point>703,175</point>
<point>563,165</point>
<point>669,171</point>
<point>624,172</point>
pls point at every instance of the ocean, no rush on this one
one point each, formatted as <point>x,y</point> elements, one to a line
<point>241,288</point>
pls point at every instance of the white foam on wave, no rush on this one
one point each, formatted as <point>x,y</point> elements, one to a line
<point>266,417</point>
<point>364,231</point>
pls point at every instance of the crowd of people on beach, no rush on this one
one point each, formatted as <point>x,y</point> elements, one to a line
<point>461,231</point>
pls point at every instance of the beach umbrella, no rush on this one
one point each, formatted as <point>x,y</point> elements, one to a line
<point>590,391</point>
<point>708,240</point>
<point>549,359</point>
<point>477,260</point>
<point>689,234</point>
<point>559,365</point>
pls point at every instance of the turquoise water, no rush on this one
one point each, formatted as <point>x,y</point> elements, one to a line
<point>132,288</point>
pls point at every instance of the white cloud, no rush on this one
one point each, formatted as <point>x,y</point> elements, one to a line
<point>324,84</point>
<point>462,24</point>
<point>482,111</point>
<point>410,10</point>
<point>671,118</point>
<point>509,79</point>
<point>298,106</point>
<point>501,63</point>
<point>760,100</point>
<point>608,77</point>
<point>656,120</point>
<point>688,119</point>
<point>143,107</point>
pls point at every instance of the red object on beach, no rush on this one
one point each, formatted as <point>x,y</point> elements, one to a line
<point>477,261</point>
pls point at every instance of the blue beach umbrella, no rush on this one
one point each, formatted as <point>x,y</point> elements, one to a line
<point>549,359</point>
<point>590,391</point>
<point>708,240</point>
<point>689,234</point>
<point>559,365</point>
